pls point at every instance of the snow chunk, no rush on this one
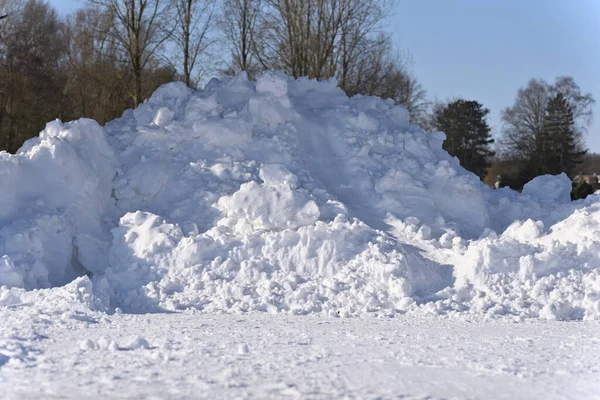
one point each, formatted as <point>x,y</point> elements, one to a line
<point>274,83</point>
<point>9,274</point>
<point>270,206</point>
<point>242,348</point>
<point>549,189</point>
<point>277,174</point>
<point>138,343</point>
<point>163,116</point>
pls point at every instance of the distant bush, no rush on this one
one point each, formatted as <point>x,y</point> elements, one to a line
<point>581,190</point>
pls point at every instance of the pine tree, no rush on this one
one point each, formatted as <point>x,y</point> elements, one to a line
<point>546,138</point>
<point>562,150</point>
<point>467,134</point>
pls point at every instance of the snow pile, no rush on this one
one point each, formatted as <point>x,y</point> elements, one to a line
<point>285,195</point>
<point>340,268</point>
<point>531,272</point>
<point>274,204</point>
<point>53,194</point>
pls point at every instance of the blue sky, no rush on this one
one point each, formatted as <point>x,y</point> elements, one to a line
<point>485,50</point>
<point>66,6</point>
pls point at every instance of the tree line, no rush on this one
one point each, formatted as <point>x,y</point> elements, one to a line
<point>542,133</point>
<point>112,54</point>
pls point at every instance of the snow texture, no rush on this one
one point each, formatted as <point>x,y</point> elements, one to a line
<point>186,355</point>
<point>283,196</point>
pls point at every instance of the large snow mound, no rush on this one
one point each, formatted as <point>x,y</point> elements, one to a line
<point>285,195</point>
<point>53,195</point>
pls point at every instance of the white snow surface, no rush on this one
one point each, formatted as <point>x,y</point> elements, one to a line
<point>283,196</point>
<point>188,355</point>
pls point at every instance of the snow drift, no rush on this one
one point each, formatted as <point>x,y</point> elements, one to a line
<point>284,195</point>
<point>53,195</point>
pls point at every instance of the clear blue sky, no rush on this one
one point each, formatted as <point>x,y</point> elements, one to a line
<point>486,50</point>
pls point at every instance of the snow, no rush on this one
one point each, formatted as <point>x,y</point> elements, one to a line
<point>284,202</point>
<point>53,194</point>
<point>206,356</point>
<point>274,204</point>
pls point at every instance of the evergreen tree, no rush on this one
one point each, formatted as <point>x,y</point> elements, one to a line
<point>563,150</point>
<point>581,190</point>
<point>467,133</point>
<point>543,129</point>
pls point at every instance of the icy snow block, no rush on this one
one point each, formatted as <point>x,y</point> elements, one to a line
<point>549,189</point>
<point>270,206</point>
<point>163,117</point>
<point>524,232</point>
<point>212,84</point>
<point>9,275</point>
<point>272,82</point>
<point>224,134</point>
<point>277,174</point>
<point>173,90</point>
<point>400,115</point>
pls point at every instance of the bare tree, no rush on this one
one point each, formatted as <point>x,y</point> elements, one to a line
<point>301,36</point>
<point>581,103</point>
<point>196,19</point>
<point>94,88</point>
<point>140,29</point>
<point>590,165</point>
<point>378,70</point>
<point>323,39</point>
<point>524,121</point>
<point>240,24</point>
<point>317,38</point>
<point>361,20</point>
<point>6,7</point>
<point>526,134</point>
<point>54,68</point>
<point>31,53</point>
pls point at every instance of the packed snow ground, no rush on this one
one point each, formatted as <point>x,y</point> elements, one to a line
<point>192,356</point>
<point>279,196</point>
